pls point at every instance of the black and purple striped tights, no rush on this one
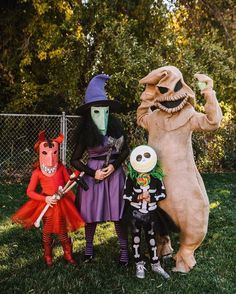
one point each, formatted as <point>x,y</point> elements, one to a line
<point>90,229</point>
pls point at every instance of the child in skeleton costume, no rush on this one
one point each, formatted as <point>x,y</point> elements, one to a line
<point>143,190</point>
<point>62,216</point>
<point>102,137</point>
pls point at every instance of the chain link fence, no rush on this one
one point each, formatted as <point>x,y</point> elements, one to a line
<point>19,132</point>
<point>213,151</point>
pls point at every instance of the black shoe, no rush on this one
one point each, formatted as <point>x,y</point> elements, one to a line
<point>123,263</point>
<point>167,256</point>
<point>88,258</point>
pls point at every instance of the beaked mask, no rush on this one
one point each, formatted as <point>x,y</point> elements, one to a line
<point>100,116</point>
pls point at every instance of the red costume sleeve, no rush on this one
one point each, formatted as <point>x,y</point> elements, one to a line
<point>32,186</point>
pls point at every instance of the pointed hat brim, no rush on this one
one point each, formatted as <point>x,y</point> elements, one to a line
<point>114,106</point>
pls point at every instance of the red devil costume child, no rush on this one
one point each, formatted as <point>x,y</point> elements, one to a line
<point>62,216</point>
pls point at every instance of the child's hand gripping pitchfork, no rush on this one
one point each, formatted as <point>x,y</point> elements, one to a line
<point>74,178</point>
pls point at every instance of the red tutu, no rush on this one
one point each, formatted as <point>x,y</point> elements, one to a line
<point>63,216</point>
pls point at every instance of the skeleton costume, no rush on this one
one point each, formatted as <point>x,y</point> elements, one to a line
<point>170,127</point>
<point>143,190</point>
<point>62,217</point>
<point>102,137</point>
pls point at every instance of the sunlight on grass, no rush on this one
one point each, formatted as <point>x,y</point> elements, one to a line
<point>8,255</point>
<point>214,204</point>
<point>224,193</point>
<point>6,224</point>
<point>104,232</point>
<point>221,192</point>
<point>22,269</point>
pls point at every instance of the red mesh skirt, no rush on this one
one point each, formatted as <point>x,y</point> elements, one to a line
<point>62,217</point>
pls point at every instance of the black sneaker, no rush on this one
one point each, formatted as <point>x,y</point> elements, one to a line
<point>123,263</point>
<point>88,258</point>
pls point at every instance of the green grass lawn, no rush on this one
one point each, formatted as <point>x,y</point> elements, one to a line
<point>23,271</point>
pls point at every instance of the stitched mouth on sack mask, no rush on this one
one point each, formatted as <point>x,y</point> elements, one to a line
<point>171,104</point>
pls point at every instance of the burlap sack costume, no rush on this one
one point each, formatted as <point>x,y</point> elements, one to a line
<point>170,127</point>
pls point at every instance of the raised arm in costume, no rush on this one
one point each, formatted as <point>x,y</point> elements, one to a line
<point>170,127</point>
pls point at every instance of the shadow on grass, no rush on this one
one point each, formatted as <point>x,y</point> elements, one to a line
<point>23,271</point>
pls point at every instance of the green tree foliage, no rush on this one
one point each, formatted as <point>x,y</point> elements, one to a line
<point>217,14</point>
<point>210,26</point>
<point>50,49</point>
<point>44,42</point>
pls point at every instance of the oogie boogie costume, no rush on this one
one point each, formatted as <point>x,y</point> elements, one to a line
<point>170,128</point>
<point>143,190</point>
<point>63,216</point>
<point>102,137</point>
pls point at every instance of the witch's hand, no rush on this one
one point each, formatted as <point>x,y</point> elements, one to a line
<point>108,170</point>
<point>99,175</point>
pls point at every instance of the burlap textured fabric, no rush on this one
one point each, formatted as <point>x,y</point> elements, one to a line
<point>170,128</point>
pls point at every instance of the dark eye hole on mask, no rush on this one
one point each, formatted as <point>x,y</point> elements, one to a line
<point>178,86</point>
<point>147,155</point>
<point>55,152</point>
<point>44,152</point>
<point>163,90</point>
<point>96,111</point>
<point>139,158</point>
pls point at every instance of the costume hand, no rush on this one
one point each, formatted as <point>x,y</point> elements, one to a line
<point>146,196</point>
<point>108,170</point>
<point>50,200</point>
<point>204,82</point>
<point>60,191</point>
<point>140,197</point>
<point>99,175</point>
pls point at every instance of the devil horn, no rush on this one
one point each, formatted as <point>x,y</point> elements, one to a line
<point>59,139</point>
<point>42,136</point>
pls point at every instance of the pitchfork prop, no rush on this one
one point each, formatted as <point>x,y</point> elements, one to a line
<point>61,192</point>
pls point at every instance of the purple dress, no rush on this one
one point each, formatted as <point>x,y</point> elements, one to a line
<point>103,201</point>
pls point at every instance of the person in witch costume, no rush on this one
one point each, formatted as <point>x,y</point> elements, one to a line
<point>143,190</point>
<point>62,216</point>
<point>101,135</point>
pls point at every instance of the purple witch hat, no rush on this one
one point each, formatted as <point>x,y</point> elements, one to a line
<point>95,95</point>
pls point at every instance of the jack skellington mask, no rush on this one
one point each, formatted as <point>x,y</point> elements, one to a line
<point>143,159</point>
